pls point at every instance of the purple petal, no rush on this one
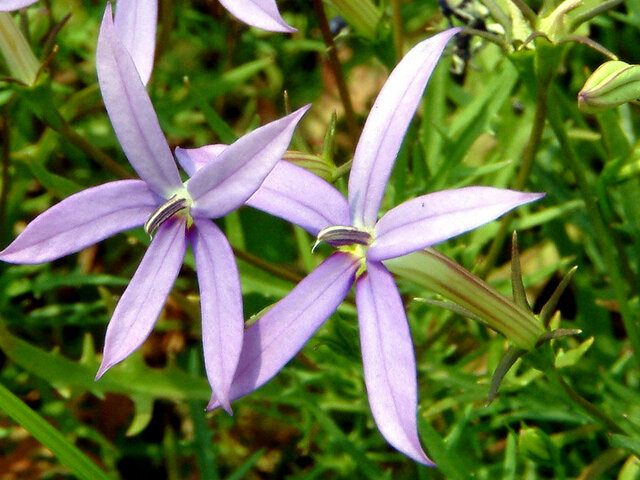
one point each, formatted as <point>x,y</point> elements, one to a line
<point>389,361</point>
<point>82,219</point>
<point>262,14</point>
<point>274,339</point>
<point>135,22</point>
<point>132,115</point>
<point>224,185</point>
<point>221,303</point>
<point>302,198</point>
<point>433,218</point>
<point>144,298</point>
<point>10,5</point>
<point>193,159</point>
<point>386,126</point>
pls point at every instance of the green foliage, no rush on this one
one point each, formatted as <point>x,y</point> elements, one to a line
<point>216,79</point>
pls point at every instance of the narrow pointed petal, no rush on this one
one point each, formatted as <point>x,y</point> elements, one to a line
<point>224,185</point>
<point>135,22</point>
<point>132,115</point>
<point>302,198</point>
<point>81,220</point>
<point>144,298</point>
<point>389,361</point>
<point>386,126</point>
<point>262,14</point>
<point>221,304</point>
<point>433,218</point>
<point>193,159</point>
<point>11,5</point>
<point>274,339</point>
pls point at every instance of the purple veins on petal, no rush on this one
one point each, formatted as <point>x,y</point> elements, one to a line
<point>386,126</point>
<point>389,361</point>
<point>224,185</point>
<point>221,305</point>
<point>132,115</point>
<point>11,5</point>
<point>435,217</point>
<point>262,14</point>
<point>144,298</point>
<point>135,23</point>
<point>81,220</point>
<point>278,335</point>
<point>300,197</point>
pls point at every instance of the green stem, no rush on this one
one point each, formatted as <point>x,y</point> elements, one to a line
<point>396,18</point>
<point>66,452</point>
<point>603,235</point>
<point>582,17</point>
<point>336,67</point>
<point>92,151</point>
<point>4,154</point>
<point>556,380</point>
<point>522,177</point>
<point>280,272</point>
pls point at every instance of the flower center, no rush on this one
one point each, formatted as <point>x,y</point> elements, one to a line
<point>165,211</point>
<point>339,236</point>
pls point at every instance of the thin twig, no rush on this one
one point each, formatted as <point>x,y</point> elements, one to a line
<point>336,67</point>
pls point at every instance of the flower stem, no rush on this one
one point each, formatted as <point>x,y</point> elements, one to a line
<point>334,63</point>
<point>604,237</point>
<point>396,17</point>
<point>4,154</point>
<point>92,151</point>
<point>557,381</point>
<point>280,272</point>
<point>522,177</point>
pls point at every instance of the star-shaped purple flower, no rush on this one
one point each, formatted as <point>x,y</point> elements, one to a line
<point>363,243</point>
<point>178,212</point>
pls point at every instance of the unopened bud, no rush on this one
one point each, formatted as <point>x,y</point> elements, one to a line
<point>612,84</point>
<point>21,61</point>
<point>534,445</point>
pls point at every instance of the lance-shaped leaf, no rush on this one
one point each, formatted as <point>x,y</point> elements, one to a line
<point>262,14</point>
<point>82,220</point>
<point>389,361</point>
<point>281,332</point>
<point>435,217</point>
<point>222,318</point>
<point>135,23</point>
<point>144,298</point>
<point>131,112</point>
<point>386,126</point>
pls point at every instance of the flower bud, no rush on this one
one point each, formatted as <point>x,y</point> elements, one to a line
<point>612,84</point>
<point>534,445</point>
<point>21,61</point>
<point>437,272</point>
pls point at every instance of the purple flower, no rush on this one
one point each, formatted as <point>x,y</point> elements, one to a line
<point>177,212</point>
<point>262,14</point>
<point>135,25</point>
<point>363,243</point>
<point>11,5</point>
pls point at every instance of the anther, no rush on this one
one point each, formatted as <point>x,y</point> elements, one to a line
<point>164,212</point>
<point>339,236</point>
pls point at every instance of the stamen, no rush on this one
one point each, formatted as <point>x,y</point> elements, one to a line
<point>164,212</point>
<point>341,235</point>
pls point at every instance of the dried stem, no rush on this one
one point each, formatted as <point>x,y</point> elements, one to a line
<point>334,63</point>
